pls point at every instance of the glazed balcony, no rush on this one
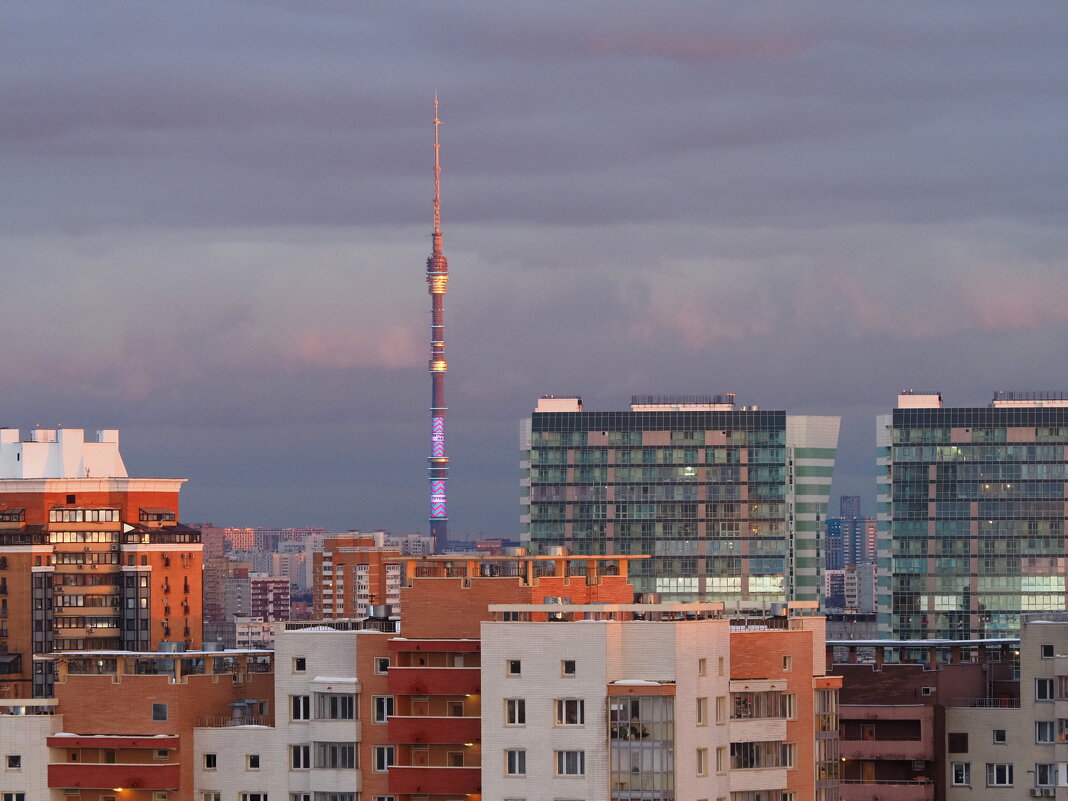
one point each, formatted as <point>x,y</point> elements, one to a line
<point>107,776</point>
<point>425,730</point>
<point>408,780</point>
<point>434,680</point>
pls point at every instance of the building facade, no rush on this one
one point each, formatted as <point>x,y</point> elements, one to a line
<point>90,558</point>
<point>728,502</point>
<point>971,513</point>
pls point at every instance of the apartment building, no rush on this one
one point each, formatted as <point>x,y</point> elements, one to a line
<point>897,700</point>
<point>691,705</point>
<point>1016,747</point>
<point>727,501</point>
<point>971,513</point>
<point>90,558</point>
<point>352,573</point>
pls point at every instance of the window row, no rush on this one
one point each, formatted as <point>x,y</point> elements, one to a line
<point>566,711</point>
<point>565,763</point>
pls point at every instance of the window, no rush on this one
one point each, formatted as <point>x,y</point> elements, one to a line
<point>962,773</point>
<point>300,797</point>
<point>211,761</point>
<point>958,742</point>
<point>515,762</point>
<point>702,667</point>
<point>163,753</point>
<point>1043,689</point>
<point>570,763</point>
<point>381,664</point>
<point>999,737</point>
<point>252,761</point>
<point>159,711</point>
<point>1047,650</point>
<point>253,796</point>
<point>13,762</point>
<point>339,756</point>
<point>702,761</point>
<point>513,667</point>
<point>383,798</point>
<point>335,706</point>
<point>1043,731</point>
<point>702,711</point>
<point>570,711</point>
<point>787,663</point>
<point>721,710</point>
<point>567,667</point>
<point>998,774</point>
<point>721,760</point>
<point>211,797</point>
<point>300,707</point>
<point>1045,774</point>
<point>300,664</point>
<point>515,711</point>
<point>385,756</point>
<point>13,797</point>
<point>383,708</point>
<point>720,668</point>
<point>300,757</point>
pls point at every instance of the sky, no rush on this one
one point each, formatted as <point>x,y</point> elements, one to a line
<point>215,218</point>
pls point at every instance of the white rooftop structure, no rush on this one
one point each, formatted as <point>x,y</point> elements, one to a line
<point>60,453</point>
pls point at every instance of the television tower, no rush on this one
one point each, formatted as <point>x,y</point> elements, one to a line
<point>437,280</point>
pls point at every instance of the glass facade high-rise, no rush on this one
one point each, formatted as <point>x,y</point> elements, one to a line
<point>971,514</point>
<point>728,503</point>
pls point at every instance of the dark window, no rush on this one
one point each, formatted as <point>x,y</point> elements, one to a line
<point>958,742</point>
<point>1047,650</point>
<point>159,711</point>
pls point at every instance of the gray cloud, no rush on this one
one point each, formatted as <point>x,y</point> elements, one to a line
<point>215,220</point>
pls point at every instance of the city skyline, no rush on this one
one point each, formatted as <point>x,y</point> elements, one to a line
<point>215,222</point>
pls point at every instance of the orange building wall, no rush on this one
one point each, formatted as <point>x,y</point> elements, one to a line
<point>455,607</point>
<point>368,648</point>
<point>376,561</point>
<point>97,705</point>
<point>759,655</point>
<point>38,504</point>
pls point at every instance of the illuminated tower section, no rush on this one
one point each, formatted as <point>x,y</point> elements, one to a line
<point>437,280</point>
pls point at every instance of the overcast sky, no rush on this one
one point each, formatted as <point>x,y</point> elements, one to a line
<point>215,216</point>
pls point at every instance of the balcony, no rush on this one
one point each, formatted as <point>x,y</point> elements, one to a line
<point>428,730</point>
<point>434,681</point>
<point>434,781</point>
<point>886,749</point>
<point>857,790</point>
<point>87,776</point>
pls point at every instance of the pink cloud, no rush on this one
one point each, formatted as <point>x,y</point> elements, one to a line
<point>390,348</point>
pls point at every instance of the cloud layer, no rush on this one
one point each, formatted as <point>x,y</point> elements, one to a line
<point>215,217</point>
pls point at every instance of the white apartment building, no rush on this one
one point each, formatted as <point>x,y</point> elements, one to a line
<point>1000,748</point>
<point>657,690</point>
<point>313,753</point>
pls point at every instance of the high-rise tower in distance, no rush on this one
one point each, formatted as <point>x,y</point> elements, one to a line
<point>437,280</point>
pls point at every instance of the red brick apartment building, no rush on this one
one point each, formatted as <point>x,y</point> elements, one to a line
<point>90,558</point>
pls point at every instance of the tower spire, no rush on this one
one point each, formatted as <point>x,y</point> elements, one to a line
<point>437,280</point>
<point>437,180</point>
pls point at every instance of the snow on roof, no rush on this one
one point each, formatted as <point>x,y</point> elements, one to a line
<point>336,679</point>
<point>637,683</point>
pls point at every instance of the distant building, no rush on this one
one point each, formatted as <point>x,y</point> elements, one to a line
<point>972,514</point>
<point>728,501</point>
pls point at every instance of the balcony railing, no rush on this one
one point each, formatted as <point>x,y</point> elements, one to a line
<point>223,722</point>
<point>984,703</point>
